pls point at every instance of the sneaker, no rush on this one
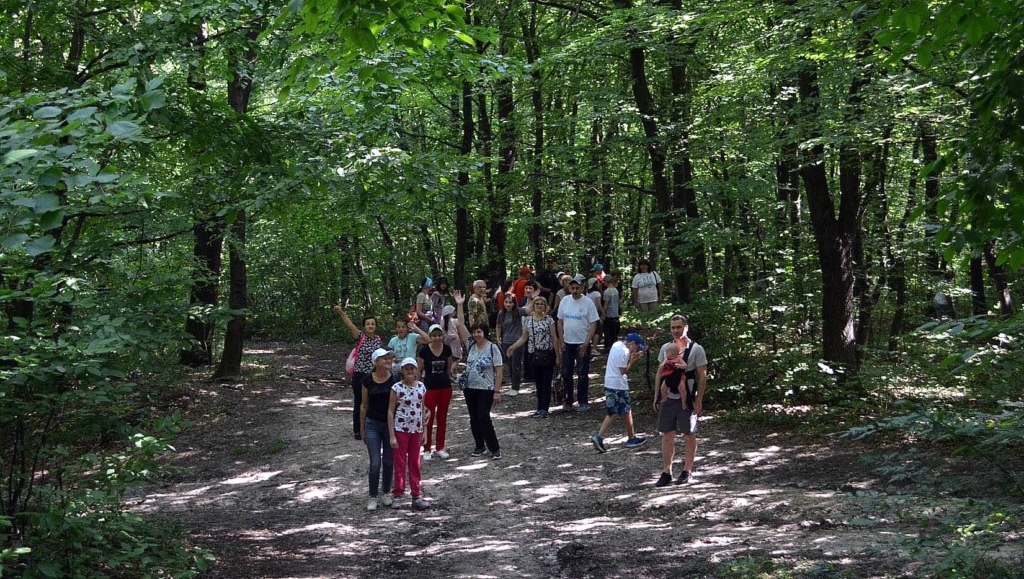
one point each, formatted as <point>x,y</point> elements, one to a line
<point>542,414</point>
<point>427,456</point>
<point>386,500</point>
<point>598,443</point>
<point>419,504</point>
<point>664,480</point>
<point>396,503</point>
<point>443,454</point>
<point>372,505</point>
<point>512,392</point>
<point>477,452</point>
<point>636,441</point>
<point>536,414</point>
<point>684,477</point>
<point>582,408</point>
<point>496,456</point>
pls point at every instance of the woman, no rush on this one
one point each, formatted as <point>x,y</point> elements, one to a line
<point>423,306</point>
<point>451,332</point>
<point>482,383</point>
<point>367,342</point>
<point>438,298</point>
<point>510,328</point>
<point>564,282</point>
<point>373,420</point>
<point>594,293</point>
<point>542,341</point>
<point>436,362</point>
<point>646,287</point>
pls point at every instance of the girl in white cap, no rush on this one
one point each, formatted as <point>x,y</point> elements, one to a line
<point>406,414</point>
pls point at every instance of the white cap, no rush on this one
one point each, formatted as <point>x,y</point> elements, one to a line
<point>409,362</point>
<point>380,352</point>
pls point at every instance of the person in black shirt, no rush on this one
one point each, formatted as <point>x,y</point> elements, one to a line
<point>436,362</point>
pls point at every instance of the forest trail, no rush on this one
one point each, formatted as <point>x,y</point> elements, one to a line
<point>275,486</point>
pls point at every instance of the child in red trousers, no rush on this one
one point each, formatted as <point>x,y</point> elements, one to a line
<point>406,415</point>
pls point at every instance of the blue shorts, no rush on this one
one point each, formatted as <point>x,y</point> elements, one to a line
<point>616,402</point>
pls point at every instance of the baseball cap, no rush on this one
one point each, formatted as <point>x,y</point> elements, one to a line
<point>379,352</point>
<point>409,362</point>
<point>634,337</point>
<point>525,269</point>
<point>433,327</point>
<point>578,279</point>
<point>596,267</point>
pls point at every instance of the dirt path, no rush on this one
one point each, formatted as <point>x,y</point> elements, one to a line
<point>276,487</point>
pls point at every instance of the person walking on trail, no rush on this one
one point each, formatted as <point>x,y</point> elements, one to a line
<point>478,307</point>
<point>684,364</point>
<point>616,390</point>
<point>424,306</point>
<point>436,361</point>
<point>509,329</point>
<point>610,312</point>
<point>373,420</point>
<point>481,384</point>
<point>577,322</point>
<point>406,415</point>
<point>367,341</point>
<point>539,335</point>
<point>646,285</point>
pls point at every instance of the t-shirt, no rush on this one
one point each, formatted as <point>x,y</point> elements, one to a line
<point>477,310</point>
<point>511,326</point>
<point>695,359</point>
<point>363,363</point>
<point>618,358</point>
<point>646,286</point>
<point>518,288</point>
<point>409,406</point>
<point>403,348</point>
<point>596,297</point>
<point>435,368</point>
<point>576,316</point>
<point>538,333</point>
<point>548,280</point>
<point>611,295</point>
<point>428,306</point>
<point>482,365</point>
<point>378,395</point>
<point>437,304</point>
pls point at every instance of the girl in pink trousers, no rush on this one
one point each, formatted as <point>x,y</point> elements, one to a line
<point>406,416</point>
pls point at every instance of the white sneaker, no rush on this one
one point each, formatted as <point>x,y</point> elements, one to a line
<point>512,392</point>
<point>427,455</point>
<point>443,454</point>
<point>386,500</point>
<point>372,505</point>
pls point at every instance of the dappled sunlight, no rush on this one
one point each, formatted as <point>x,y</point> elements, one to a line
<point>586,525</point>
<point>310,402</point>
<point>251,477</point>
<point>549,492</point>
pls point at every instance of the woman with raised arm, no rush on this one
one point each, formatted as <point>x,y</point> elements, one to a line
<point>481,383</point>
<point>542,341</point>
<point>367,341</point>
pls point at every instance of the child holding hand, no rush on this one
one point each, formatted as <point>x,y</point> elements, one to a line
<point>406,416</point>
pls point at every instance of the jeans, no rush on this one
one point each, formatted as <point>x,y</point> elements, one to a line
<point>357,399</point>
<point>572,361</point>
<point>543,375</point>
<point>437,401</point>
<point>378,444</point>
<point>407,453</point>
<point>479,403</point>
<point>514,365</point>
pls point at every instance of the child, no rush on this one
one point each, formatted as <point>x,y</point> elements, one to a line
<point>405,422</point>
<point>616,390</point>
<point>406,342</point>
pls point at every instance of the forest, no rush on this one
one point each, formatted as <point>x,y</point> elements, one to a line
<point>831,191</point>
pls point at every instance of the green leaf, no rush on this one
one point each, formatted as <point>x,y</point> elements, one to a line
<point>50,177</point>
<point>41,245</point>
<point>154,83</point>
<point>363,39</point>
<point>465,38</point>
<point>46,112</point>
<point>81,113</point>
<point>45,202</point>
<point>51,219</point>
<point>153,99</point>
<point>123,128</point>
<point>18,155</point>
<point>16,240</point>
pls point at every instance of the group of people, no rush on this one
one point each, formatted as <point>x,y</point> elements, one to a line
<point>402,390</point>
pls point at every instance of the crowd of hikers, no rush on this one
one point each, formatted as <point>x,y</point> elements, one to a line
<point>547,328</point>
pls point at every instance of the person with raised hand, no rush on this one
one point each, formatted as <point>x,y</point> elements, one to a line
<point>367,341</point>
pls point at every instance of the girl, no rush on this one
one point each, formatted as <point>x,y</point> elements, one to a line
<point>436,362</point>
<point>406,341</point>
<point>373,418</point>
<point>367,343</point>
<point>539,335</point>
<point>405,423</point>
<point>482,383</point>
<point>510,329</point>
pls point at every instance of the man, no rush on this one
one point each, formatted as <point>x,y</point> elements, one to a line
<point>577,322</point>
<point>678,411</point>
<point>519,284</point>
<point>596,274</point>
<point>548,281</point>
<point>621,357</point>
<point>478,303</point>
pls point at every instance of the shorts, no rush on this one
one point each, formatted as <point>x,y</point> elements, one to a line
<point>672,417</point>
<point>616,402</point>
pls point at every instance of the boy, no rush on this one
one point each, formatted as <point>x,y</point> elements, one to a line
<point>616,390</point>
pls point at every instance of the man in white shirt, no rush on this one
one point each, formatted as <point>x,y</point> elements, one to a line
<point>577,322</point>
<point>621,357</point>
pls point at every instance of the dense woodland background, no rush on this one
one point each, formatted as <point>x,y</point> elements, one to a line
<point>179,177</point>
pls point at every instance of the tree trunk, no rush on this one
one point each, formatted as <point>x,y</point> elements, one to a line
<point>979,307</point>
<point>203,297</point>
<point>997,273</point>
<point>898,276</point>
<point>506,165</point>
<point>462,229</point>
<point>230,366</point>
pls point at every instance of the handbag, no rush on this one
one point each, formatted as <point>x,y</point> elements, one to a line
<point>350,362</point>
<point>544,358</point>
